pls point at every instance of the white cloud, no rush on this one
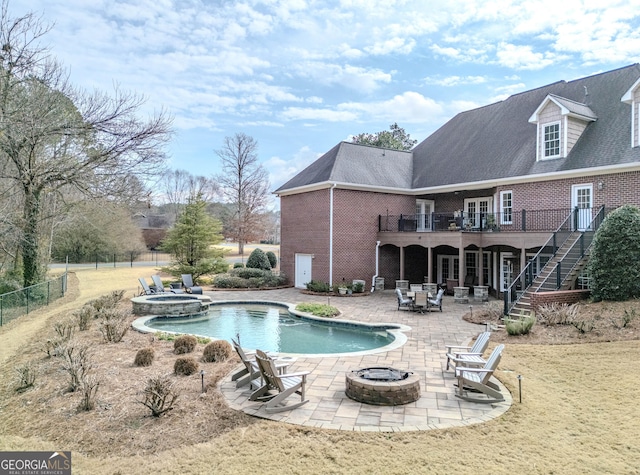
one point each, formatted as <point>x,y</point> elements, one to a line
<point>408,107</point>
<point>281,170</point>
<point>394,45</point>
<point>523,57</point>
<point>455,80</point>
<point>357,78</point>
<point>328,115</point>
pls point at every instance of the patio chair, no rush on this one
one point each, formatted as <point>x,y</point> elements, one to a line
<point>189,287</point>
<point>437,302</point>
<point>250,374</point>
<point>157,281</point>
<point>415,287</point>
<point>402,302</point>
<point>278,387</point>
<point>477,380</point>
<point>420,301</point>
<point>146,290</point>
<point>451,283</point>
<point>471,281</point>
<point>468,355</point>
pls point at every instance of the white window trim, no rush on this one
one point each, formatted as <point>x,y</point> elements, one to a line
<point>504,256</point>
<point>635,128</point>
<point>488,199</point>
<point>530,255</point>
<point>424,204</point>
<point>561,138</point>
<point>502,213</point>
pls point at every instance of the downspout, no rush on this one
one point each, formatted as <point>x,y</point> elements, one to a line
<point>331,233</point>
<point>373,279</point>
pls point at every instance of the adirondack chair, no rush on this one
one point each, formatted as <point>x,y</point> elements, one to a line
<point>437,302</point>
<point>468,355</point>
<point>278,387</point>
<point>250,374</point>
<point>476,380</point>
<point>157,281</point>
<point>402,302</point>
<point>146,290</point>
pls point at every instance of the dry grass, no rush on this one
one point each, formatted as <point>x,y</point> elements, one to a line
<point>578,413</point>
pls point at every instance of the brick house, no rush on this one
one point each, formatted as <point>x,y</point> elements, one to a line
<point>478,201</point>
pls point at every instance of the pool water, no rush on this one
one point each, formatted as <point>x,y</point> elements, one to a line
<point>273,328</point>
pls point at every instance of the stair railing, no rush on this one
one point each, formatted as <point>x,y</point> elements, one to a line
<point>526,276</point>
<point>584,242</point>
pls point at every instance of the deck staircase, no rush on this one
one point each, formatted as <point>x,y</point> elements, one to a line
<point>570,257</point>
<point>560,272</point>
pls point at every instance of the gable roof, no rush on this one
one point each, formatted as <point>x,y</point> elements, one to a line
<point>358,166</point>
<point>493,143</point>
<point>567,107</point>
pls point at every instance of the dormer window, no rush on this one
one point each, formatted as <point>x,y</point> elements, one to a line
<point>552,140</point>
<point>560,122</point>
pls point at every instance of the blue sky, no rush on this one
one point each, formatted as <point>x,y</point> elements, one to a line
<point>299,76</point>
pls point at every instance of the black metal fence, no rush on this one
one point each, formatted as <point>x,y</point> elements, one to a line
<point>513,221</point>
<point>126,259</point>
<point>21,302</point>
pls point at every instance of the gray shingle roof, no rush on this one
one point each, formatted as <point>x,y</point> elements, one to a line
<point>493,142</point>
<point>497,141</point>
<point>349,163</point>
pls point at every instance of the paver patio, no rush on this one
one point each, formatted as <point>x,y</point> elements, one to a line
<point>423,354</point>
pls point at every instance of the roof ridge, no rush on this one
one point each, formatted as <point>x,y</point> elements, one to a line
<point>568,100</point>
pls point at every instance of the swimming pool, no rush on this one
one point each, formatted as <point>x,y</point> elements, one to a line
<point>273,327</point>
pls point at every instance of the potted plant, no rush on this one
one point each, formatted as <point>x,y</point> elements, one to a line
<point>491,223</point>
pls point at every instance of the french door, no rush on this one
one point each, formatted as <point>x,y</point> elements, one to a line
<point>424,210</point>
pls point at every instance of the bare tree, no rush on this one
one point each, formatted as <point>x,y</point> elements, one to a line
<point>179,187</point>
<point>53,135</point>
<point>245,184</point>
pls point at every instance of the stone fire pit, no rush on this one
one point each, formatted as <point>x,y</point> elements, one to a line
<point>382,386</point>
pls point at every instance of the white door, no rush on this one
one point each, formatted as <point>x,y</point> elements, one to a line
<point>506,276</point>
<point>303,270</point>
<point>448,268</point>
<point>424,208</point>
<point>582,199</point>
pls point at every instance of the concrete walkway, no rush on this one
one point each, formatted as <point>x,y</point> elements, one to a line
<point>423,354</point>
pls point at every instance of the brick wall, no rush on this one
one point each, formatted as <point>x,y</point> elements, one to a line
<point>305,229</point>
<point>560,296</point>
<point>617,189</point>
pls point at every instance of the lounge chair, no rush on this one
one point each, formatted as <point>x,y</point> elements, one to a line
<point>146,290</point>
<point>278,387</point>
<point>476,380</point>
<point>250,374</point>
<point>402,302</point>
<point>157,281</point>
<point>189,287</point>
<point>437,302</point>
<point>468,355</point>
